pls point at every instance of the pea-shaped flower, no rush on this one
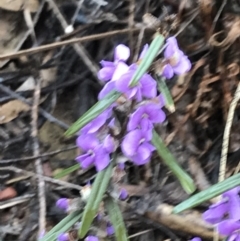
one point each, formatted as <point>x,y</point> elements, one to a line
<point>95,152</point>
<point>145,116</point>
<point>177,61</point>
<point>121,53</point>
<point>136,146</point>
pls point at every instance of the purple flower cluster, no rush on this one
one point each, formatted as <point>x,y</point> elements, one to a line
<point>226,214</point>
<point>97,147</point>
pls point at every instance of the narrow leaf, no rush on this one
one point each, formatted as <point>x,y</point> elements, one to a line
<point>148,58</point>
<point>162,87</point>
<point>209,193</point>
<point>169,160</point>
<point>62,226</point>
<point>98,189</point>
<point>93,112</point>
<point>116,219</point>
<point>67,171</point>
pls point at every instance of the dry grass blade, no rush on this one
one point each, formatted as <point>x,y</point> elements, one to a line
<point>223,161</point>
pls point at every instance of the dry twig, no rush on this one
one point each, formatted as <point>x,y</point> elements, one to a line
<point>45,178</point>
<point>39,156</point>
<point>77,46</point>
<point>64,43</point>
<point>223,161</point>
<point>38,161</point>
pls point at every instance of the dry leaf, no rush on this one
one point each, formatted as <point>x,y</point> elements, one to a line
<point>18,5</point>
<point>11,110</point>
<point>13,32</point>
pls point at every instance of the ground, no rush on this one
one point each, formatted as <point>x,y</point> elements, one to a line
<point>43,91</point>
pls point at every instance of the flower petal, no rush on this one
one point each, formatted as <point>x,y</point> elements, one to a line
<point>95,124</point>
<point>233,237</point>
<point>146,124</point>
<point>172,47</point>
<point>108,144</point>
<point>106,89</point>
<point>91,238</point>
<point>130,143</point>
<point>143,155</point>
<point>102,158</point>
<point>144,51</point>
<point>167,71</point>
<point>233,203</point>
<point>135,118</point>
<point>107,63</point>
<point>122,52</point>
<point>82,157</point>
<point>132,92</point>
<point>122,84</point>
<point>120,69</point>
<point>183,66</point>
<point>155,114</point>
<point>196,239</point>
<point>216,212</point>
<point>145,151</point>
<point>227,227</point>
<point>87,142</point>
<point>161,100</point>
<point>106,73</point>
<point>149,146</point>
<point>87,162</point>
<point>148,86</point>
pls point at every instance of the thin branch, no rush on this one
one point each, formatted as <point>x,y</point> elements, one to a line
<point>52,153</point>
<point>64,43</point>
<point>38,161</point>
<point>44,113</point>
<point>223,161</point>
<point>45,178</point>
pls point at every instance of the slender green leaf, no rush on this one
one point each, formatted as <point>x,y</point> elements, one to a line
<point>98,189</point>
<point>62,226</point>
<point>162,87</point>
<point>116,219</point>
<point>67,171</point>
<point>93,112</point>
<point>209,193</point>
<point>169,160</point>
<point>148,58</point>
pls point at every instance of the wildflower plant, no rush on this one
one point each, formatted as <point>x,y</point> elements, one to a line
<point>132,90</point>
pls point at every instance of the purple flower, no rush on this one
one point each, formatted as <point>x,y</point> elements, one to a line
<point>95,152</point>
<point>178,62</point>
<point>109,230</point>
<point>121,53</point>
<point>62,203</point>
<point>123,194</point>
<point>225,214</point>
<point>196,239</point>
<point>63,237</point>
<point>145,116</point>
<point>230,205</point>
<point>136,146</point>
<point>146,87</point>
<point>216,212</point>
<point>91,238</point>
<point>97,123</point>
<point>120,69</point>
<point>144,51</point>
<point>41,235</point>
<point>227,227</point>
